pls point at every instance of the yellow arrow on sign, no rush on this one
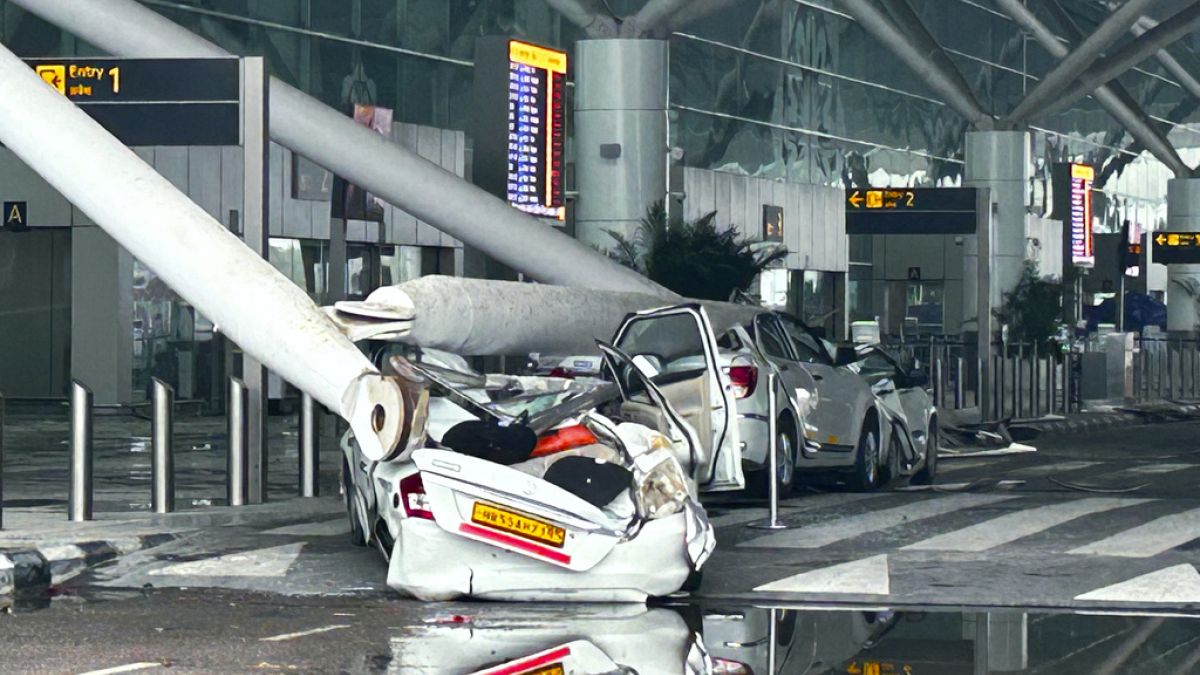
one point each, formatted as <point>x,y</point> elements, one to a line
<point>1160,239</point>
<point>856,200</point>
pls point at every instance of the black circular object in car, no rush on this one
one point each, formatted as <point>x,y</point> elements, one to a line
<point>489,440</point>
<point>594,481</point>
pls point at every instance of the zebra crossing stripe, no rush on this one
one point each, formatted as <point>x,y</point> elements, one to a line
<point>1149,539</point>
<point>868,576</point>
<point>838,529</point>
<point>1178,584</point>
<point>1013,526</point>
<point>1058,467</point>
<point>1154,469</point>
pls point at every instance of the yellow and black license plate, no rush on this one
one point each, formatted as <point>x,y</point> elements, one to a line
<point>552,669</point>
<point>518,524</point>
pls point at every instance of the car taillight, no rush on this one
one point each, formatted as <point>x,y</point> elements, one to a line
<point>744,379</point>
<point>413,497</point>
<point>729,667</point>
<point>563,439</point>
<point>562,372</point>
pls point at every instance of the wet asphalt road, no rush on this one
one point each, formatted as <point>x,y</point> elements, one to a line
<point>1034,544</point>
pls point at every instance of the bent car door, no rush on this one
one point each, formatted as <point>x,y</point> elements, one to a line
<point>512,510</point>
<point>903,399</point>
<point>842,397</point>
<point>676,348</point>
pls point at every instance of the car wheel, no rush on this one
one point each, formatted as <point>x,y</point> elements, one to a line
<point>929,472</point>
<point>785,460</point>
<point>357,534</point>
<point>866,460</point>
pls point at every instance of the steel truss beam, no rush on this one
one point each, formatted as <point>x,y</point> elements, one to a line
<point>947,86</point>
<point>1132,53</point>
<point>1078,60</point>
<point>1120,109</point>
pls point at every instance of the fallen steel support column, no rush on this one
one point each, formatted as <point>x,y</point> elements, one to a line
<point>266,314</point>
<point>362,156</point>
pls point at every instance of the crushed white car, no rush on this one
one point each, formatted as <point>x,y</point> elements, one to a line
<point>540,488</point>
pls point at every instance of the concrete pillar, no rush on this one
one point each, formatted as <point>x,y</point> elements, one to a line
<point>1183,281</point>
<point>999,160</point>
<point>620,135</point>
<point>101,315</point>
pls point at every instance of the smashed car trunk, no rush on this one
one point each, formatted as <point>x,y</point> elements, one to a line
<point>525,490</point>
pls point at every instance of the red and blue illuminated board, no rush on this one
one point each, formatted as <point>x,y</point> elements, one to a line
<point>1079,223</point>
<point>520,124</point>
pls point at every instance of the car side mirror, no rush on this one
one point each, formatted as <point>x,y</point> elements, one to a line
<point>845,356</point>
<point>917,378</point>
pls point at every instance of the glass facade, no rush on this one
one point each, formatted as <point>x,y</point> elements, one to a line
<point>783,89</point>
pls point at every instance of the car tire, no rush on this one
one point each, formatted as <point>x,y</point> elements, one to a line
<point>928,472</point>
<point>760,481</point>
<point>357,533</point>
<point>867,471</point>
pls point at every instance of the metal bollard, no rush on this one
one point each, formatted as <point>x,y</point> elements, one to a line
<point>310,457</point>
<point>79,502</point>
<point>772,460</point>
<point>1035,382</point>
<point>959,367</point>
<point>238,430</point>
<point>162,458</point>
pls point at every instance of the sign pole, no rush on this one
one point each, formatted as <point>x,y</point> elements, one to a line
<point>255,232</point>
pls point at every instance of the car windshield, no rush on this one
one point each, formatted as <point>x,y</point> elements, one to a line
<point>809,348</point>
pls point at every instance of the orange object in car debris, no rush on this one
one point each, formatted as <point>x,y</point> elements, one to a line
<point>562,439</point>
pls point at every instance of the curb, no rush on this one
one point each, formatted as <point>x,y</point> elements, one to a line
<point>36,569</point>
<point>1127,418</point>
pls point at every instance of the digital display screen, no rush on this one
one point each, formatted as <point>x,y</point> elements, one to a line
<point>537,79</point>
<point>1083,247</point>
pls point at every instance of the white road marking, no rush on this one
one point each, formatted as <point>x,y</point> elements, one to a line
<point>326,528</point>
<point>127,668</point>
<point>868,576</point>
<point>1058,467</point>
<point>263,562</point>
<point>838,529</point>
<point>1149,539</point>
<point>1010,527</point>
<point>1177,584</point>
<point>303,633</point>
<point>951,467</point>
<point>1153,469</point>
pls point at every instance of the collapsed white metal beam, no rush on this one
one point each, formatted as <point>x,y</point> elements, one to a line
<point>480,317</point>
<point>1079,59</point>
<point>1129,55</point>
<point>588,15</point>
<point>331,139</point>
<point>267,315</point>
<point>1121,108</point>
<point>1171,64</point>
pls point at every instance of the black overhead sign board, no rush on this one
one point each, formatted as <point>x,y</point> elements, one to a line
<point>1176,248</point>
<point>153,101</point>
<point>910,211</point>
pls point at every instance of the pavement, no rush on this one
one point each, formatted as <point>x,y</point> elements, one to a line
<point>1091,520</point>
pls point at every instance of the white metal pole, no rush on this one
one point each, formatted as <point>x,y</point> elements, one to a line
<point>261,310</point>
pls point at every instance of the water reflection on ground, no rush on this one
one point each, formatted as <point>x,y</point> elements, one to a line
<point>748,640</point>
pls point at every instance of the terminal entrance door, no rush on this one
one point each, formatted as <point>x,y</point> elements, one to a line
<point>35,313</point>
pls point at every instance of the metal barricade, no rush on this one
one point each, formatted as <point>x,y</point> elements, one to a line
<point>79,501</point>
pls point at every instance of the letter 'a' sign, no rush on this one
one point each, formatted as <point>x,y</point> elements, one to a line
<point>15,216</point>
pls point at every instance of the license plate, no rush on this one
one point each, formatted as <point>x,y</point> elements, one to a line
<point>552,669</point>
<point>517,524</point>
